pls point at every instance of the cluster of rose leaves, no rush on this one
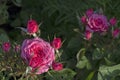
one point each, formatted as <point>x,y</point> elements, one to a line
<point>37,53</point>
<point>97,22</point>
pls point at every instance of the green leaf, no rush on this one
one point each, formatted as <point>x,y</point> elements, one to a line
<point>90,76</point>
<point>109,72</point>
<point>65,74</point>
<point>83,62</point>
<point>97,54</point>
<point>108,62</point>
<point>80,53</point>
<point>88,65</point>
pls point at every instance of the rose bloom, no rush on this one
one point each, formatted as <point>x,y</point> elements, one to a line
<point>38,54</point>
<point>113,21</point>
<point>116,33</point>
<point>6,46</point>
<point>56,43</point>
<point>97,23</point>
<point>57,66</point>
<point>32,26</point>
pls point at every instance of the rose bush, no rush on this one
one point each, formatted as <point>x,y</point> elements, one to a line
<point>38,54</point>
<point>90,54</point>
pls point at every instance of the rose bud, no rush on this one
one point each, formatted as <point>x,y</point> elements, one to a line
<point>83,19</point>
<point>116,33</point>
<point>57,66</point>
<point>32,26</point>
<point>89,12</point>
<point>6,46</point>
<point>56,43</point>
<point>113,21</point>
<point>88,35</point>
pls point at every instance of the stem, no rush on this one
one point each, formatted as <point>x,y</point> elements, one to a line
<point>22,76</point>
<point>14,78</point>
<point>57,53</point>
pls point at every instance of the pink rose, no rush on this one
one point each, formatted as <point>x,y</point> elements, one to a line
<point>56,43</point>
<point>38,54</point>
<point>83,19</point>
<point>116,33</point>
<point>57,66</point>
<point>113,21</point>
<point>89,12</point>
<point>88,35</point>
<point>98,23</point>
<point>32,26</point>
<point>6,46</point>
